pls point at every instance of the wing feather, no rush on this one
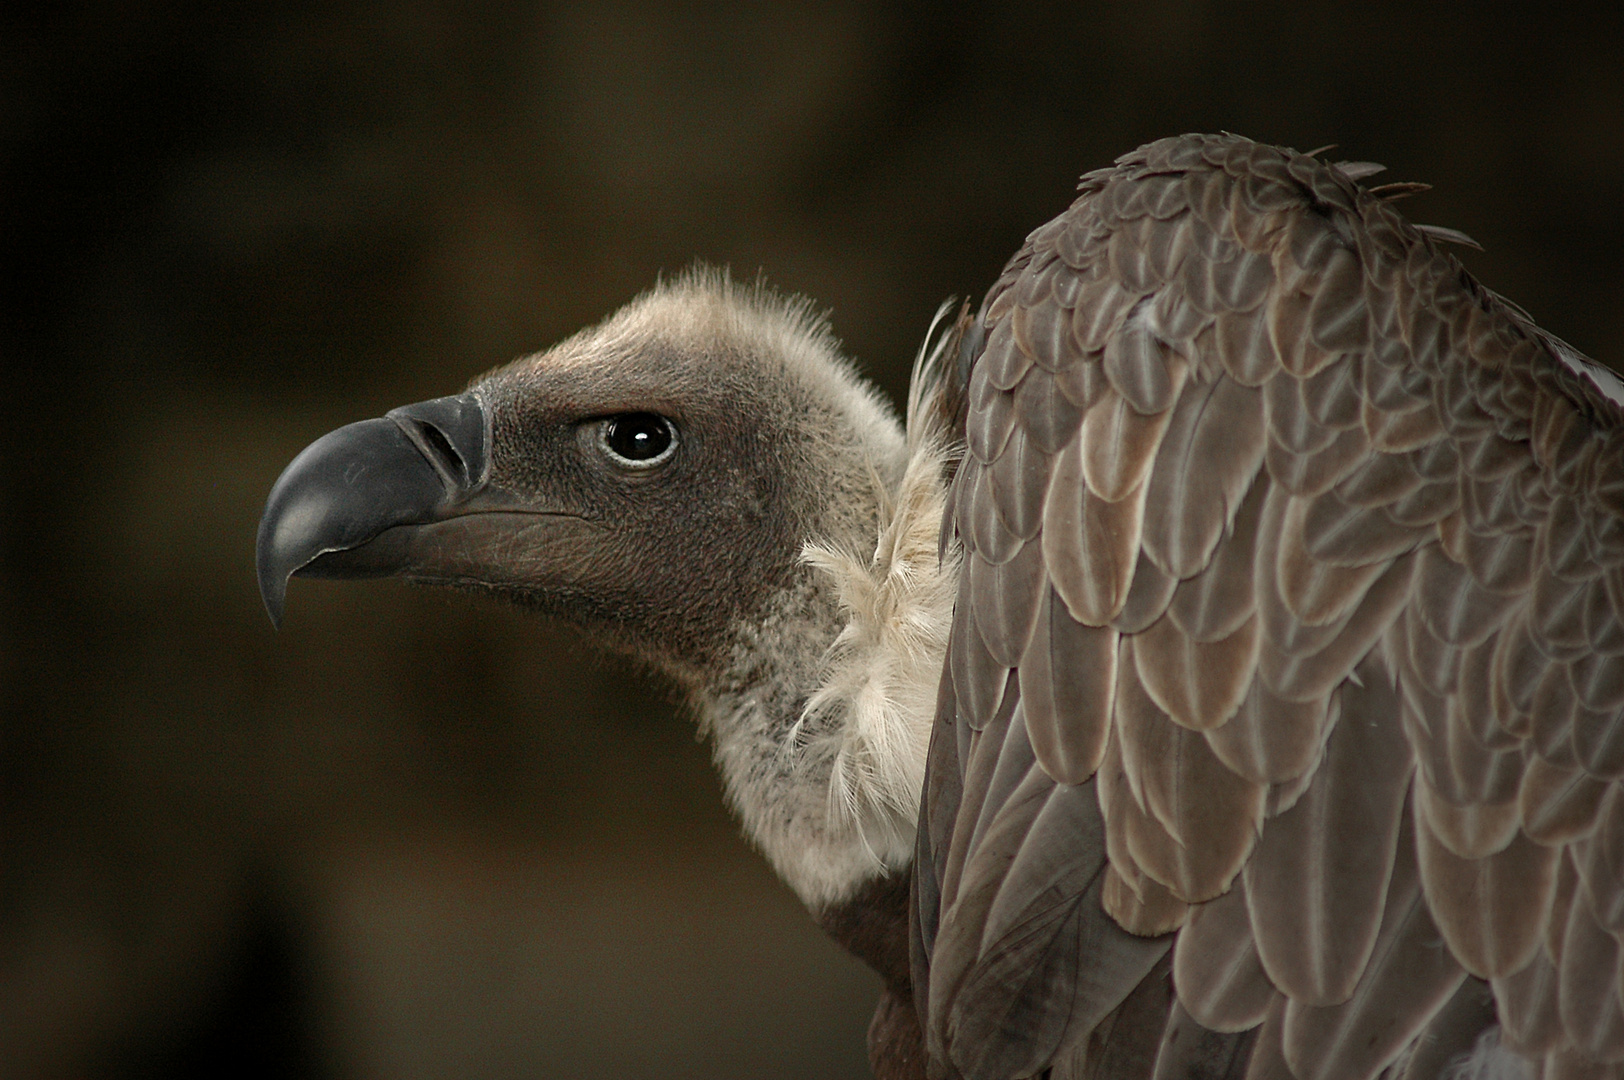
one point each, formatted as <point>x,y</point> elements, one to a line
<point>1204,467</point>
<point>1326,862</point>
<point>1409,977</point>
<point>1292,620</point>
<point>1216,968</point>
<point>1491,909</point>
<point>1558,805</point>
<point>1529,1021</point>
<point>1216,602</point>
<point>1068,681</point>
<point>1209,815</point>
<point>1588,985</point>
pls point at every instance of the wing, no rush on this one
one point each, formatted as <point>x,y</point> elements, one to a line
<point>1290,623</point>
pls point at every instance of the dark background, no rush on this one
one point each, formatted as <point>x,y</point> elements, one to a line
<point>413,835</point>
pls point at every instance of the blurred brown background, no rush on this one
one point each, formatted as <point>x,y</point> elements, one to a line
<point>414,836</point>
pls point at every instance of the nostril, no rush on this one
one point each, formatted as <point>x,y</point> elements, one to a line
<point>436,441</point>
<point>450,434</point>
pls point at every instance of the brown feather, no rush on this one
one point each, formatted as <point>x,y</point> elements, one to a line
<point>1301,678</point>
<point>1002,362</point>
<point>1491,911</point>
<point>1482,775</point>
<point>1472,831</point>
<point>1148,596</point>
<point>1314,592</point>
<point>1015,484</point>
<point>1179,324</point>
<point>1145,908</point>
<point>1514,675</point>
<point>1554,709</point>
<point>1241,284</point>
<point>1138,903</point>
<point>1288,316</point>
<point>1292,427</point>
<point>1378,480</point>
<point>1598,743</point>
<point>1214,603</point>
<point>1558,805</point>
<point>1574,1065</point>
<point>980,524</point>
<point>1599,680</point>
<point>1411,975</point>
<point>1207,816</point>
<point>1268,1054</point>
<point>1567,885</point>
<point>1338,319</point>
<point>1204,467</point>
<point>1141,368</point>
<point>1502,563</point>
<point>1472,707</point>
<point>1557,613</point>
<point>1067,682</point>
<point>1216,969</point>
<point>1245,347</point>
<point>1317,472</point>
<point>990,419</point>
<point>1270,740</point>
<point>989,770</point>
<point>1401,432</point>
<point>1452,1034</point>
<point>1045,937</point>
<point>1284,795</point>
<point>1588,986</point>
<point>1426,505</point>
<point>1198,684</point>
<point>1189,1051</point>
<point>1042,330</point>
<point>1091,546</point>
<point>1005,599</point>
<point>1529,1021</point>
<point>1332,397</point>
<point>1455,607</point>
<point>1209,312</point>
<point>978,679</point>
<point>1083,383</point>
<point>1422,658</point>
<point>1346,534</point>
<point>1118,446</point>
<point>1047,415</point>
<point>1102,306</point>
<point>1600,859</point>
<point>1317,882</point>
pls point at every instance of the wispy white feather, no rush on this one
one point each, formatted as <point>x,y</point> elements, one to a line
<point>878,696</point>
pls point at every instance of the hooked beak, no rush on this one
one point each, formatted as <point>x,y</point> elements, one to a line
<point>339,508</point>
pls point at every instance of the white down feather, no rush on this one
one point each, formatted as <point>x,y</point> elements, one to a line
<point>877,699</point>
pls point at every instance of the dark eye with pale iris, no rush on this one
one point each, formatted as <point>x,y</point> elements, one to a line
<point>638,439</point>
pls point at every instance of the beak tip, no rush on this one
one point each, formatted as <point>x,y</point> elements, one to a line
<point>274,606</point>
<point>273,580</point>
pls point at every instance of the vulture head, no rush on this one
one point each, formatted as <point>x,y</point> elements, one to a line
<point>1249,704</point>
<point>699,481</point>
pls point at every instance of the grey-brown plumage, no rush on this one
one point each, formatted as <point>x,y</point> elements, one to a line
<point>1342,532</point>
<point>1279,732</point>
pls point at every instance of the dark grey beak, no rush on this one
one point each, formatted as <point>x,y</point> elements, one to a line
<point>329,512</point>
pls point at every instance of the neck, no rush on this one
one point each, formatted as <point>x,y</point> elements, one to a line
<point>821,721</point>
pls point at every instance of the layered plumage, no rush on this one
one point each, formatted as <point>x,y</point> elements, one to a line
<point>1335,534</point>
<point>1280,723</point>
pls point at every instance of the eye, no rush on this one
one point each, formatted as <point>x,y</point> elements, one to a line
<point>637,440</point>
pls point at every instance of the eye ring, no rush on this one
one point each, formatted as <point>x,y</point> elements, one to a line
<point>640,440</point>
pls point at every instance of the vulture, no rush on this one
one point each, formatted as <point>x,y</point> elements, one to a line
<point>1219,675</point>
